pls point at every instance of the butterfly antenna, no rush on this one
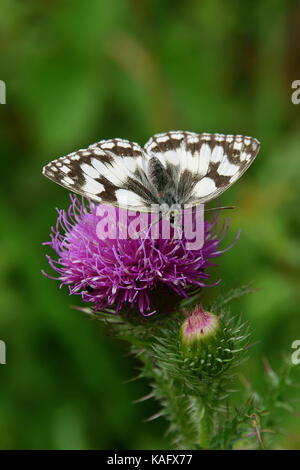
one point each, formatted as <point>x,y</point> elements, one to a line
<point>153,223</point>
<point>219,208</point>
<point>156,221</point>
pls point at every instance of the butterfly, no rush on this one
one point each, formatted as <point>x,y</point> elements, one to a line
<point>175,170</point>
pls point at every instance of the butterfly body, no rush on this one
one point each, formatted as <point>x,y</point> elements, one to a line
<point>174,170</point>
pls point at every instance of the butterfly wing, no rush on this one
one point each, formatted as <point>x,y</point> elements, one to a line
<point>205,164</point>
<point>110,171</point>
<point>116,172</point>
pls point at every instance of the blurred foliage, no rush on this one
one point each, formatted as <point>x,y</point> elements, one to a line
<point>77,72</point>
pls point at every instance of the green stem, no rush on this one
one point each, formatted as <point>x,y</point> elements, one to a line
<point>202,421</point>
<point>175,405</point>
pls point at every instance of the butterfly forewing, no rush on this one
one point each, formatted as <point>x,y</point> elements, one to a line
<point>110,171</point>
<point>207,164</point>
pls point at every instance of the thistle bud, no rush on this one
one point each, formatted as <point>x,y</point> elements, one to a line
<point>205,343</point>
<point>198,328</point>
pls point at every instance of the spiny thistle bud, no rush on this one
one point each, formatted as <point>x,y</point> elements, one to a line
<point>206,344</point>
<point>199,328</point>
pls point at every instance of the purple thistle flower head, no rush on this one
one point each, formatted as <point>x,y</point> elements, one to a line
<point>146,273</point>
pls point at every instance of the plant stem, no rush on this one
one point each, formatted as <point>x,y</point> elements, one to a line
<point>202,421</point>
<point>175,404</point>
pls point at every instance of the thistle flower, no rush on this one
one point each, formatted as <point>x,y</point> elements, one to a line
<point>125,273</point>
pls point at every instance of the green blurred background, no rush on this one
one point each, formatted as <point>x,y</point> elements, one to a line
<point>78,72</point>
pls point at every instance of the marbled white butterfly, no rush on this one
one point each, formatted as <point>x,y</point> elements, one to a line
<point>174,170</point>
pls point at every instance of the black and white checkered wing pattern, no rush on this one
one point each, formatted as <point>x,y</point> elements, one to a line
<point>206,164</point>
<point>177,167</point>
<point>110,171</point>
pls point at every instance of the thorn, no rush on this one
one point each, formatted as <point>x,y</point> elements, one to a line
<point>256,430</point>
<point>128,354</point>
<point>140,352</point>
<point>244,381</point>
<point>268,430</point>
<point>132,379</point>
<point>144,398</point>
<point>267,365</point>
<point>86,310</point>
<point>153,417</point>
<point>259,438</point>
<point>249,346</point>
